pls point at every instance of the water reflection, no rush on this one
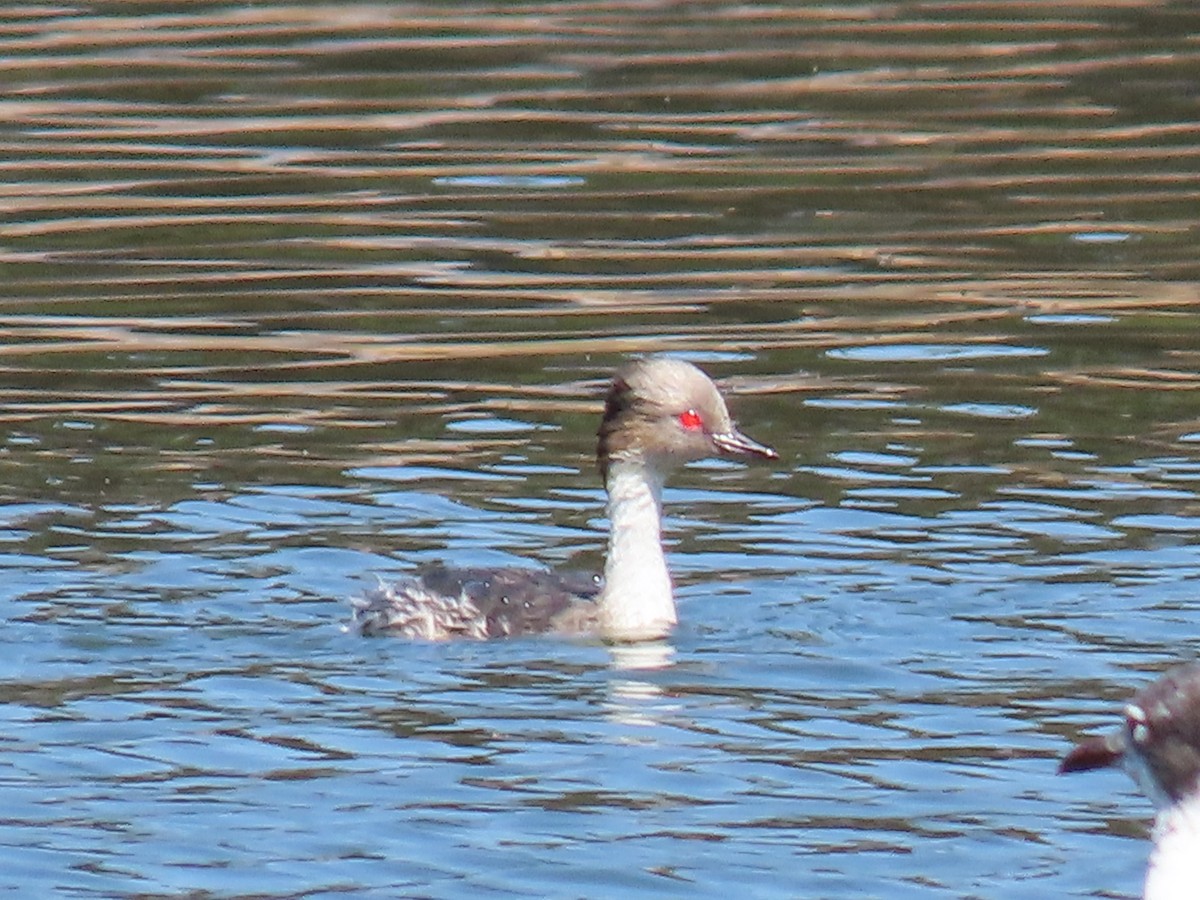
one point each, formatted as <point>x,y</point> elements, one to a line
<point>649,655</point>
<point>295,296</point>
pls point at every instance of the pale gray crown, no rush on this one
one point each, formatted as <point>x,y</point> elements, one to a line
<point>648,411</point>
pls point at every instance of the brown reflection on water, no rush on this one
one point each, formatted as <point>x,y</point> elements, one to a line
<point>294,291</point>
<point>370,222</point>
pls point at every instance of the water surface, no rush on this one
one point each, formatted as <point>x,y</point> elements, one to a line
<point>299,295</point>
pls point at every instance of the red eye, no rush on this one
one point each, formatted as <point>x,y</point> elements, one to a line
<point>691,420</point>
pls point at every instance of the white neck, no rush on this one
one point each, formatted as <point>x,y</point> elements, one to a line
<point>636,604</point>
<point>1174,872</point>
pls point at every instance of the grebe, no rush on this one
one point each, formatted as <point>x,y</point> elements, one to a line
<point>659,414</point>
<point>1159,746</point>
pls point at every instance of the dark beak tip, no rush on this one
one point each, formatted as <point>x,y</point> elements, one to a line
<point>1092,753</point>
<point>762,450</point>
<point>736,443</point>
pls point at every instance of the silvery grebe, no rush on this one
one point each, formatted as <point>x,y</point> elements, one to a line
<point>1159,746</point>
<point>659,414</point>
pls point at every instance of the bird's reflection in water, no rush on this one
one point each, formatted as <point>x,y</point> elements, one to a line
<point>631,700</point>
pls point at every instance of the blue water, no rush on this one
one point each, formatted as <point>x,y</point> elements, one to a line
<point>860,702</point>
<point>297,297</point>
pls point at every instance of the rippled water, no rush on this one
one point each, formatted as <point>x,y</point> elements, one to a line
<point>298,295</point>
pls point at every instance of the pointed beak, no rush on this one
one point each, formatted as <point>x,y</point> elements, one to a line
<point>1094,753</point>
<point>736,443</point>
